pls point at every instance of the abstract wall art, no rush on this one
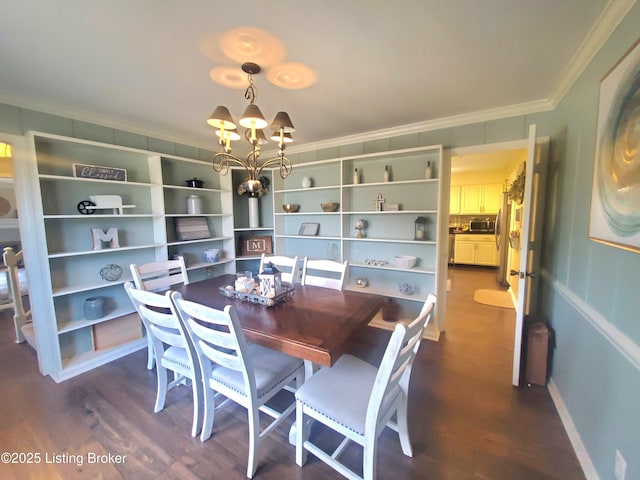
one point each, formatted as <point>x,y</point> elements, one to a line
<point>615,198</point>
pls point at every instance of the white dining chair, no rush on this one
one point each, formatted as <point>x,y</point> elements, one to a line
<point>288,266</point>
<point>16,284</point>
<point>171,347</point>
<point>324,273</point>
<point>358,400</point>
<point>158,276</point>
<point>246,373</point>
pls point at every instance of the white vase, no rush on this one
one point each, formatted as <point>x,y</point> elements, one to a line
<point>254,214</point>
<point>194,205</point>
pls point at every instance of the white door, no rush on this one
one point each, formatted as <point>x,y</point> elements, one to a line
<point>530,235</point>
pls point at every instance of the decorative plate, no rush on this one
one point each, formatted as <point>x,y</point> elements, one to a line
<point>7,202</point>
<point>5,206</point>
<point>111,272</point>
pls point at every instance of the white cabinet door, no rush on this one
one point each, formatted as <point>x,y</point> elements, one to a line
<point>484,198</point>
<point>464,252</point>
<point>470,199</point>
<point>492,198</point>
<point>486,254</point>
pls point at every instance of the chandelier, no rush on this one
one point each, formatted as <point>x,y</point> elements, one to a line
<point>254,122</point>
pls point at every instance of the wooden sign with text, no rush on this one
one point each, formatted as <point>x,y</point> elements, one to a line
<point>256,245</point>
<point>81,170</point>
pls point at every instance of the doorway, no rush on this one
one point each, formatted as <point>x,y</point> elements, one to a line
<point>481,299</point>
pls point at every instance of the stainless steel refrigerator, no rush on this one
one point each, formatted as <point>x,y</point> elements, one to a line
<point>503,221</point>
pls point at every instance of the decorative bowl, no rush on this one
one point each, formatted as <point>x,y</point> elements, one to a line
<point>406,288</point>
<point>404,261</point>
<point>329,206</point>
<point>212,255</point>
<point>290,207</point>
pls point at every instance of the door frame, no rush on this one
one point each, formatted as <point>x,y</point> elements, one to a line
<point>522,144</point>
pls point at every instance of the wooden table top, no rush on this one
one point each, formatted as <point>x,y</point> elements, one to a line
<point>315,324</point>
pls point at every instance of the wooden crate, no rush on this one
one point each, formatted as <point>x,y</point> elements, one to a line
<point>117,331</point>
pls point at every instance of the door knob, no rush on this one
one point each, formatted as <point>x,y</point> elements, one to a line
<point>522,275</point>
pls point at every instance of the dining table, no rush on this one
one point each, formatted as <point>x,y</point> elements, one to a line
<point>313,323</point>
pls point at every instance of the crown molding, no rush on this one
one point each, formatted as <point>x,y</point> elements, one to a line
<point>437,124</point>
<point>611,16</point>
<point>94,118</point>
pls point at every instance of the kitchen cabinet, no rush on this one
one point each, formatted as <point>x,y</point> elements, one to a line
<point>389,229</point>
<point>454,200</point>
<point>73,263</point>
<point>475,250</point>
<point>480,199</point>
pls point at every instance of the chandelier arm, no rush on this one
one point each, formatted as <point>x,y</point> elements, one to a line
<point>221,162</point>
<point>285,165</point>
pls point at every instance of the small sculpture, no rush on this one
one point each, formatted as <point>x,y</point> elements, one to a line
<point>360,226</point>
<point>102,239</point>
<point>379,201</point>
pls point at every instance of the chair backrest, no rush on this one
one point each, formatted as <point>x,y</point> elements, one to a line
<point>288,266</point>
<point>161,321</point>
<point>159,275</point>
<point>415,329</point>
<point>394,372</point>
<point>218,339</point>
<point>16,279</point>
<point>324,273</point>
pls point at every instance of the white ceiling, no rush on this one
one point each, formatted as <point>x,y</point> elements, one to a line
<point>143,65</point>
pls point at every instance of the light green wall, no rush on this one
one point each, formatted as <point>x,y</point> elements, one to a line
<point>591,294</point>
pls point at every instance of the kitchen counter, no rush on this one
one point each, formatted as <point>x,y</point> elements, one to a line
<point>453,231</point>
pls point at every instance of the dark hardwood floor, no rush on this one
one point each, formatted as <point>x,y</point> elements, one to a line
<point>467,421</point>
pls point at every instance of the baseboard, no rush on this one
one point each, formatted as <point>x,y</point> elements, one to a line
<point>574,437</point>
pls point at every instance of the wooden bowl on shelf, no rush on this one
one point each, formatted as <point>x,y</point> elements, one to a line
<point>329,206</point>
<point>290,207</point>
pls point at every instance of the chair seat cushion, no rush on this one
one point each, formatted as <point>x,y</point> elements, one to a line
<point>175,358</point>
<point>270,368</point>
<point>341,393</point>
